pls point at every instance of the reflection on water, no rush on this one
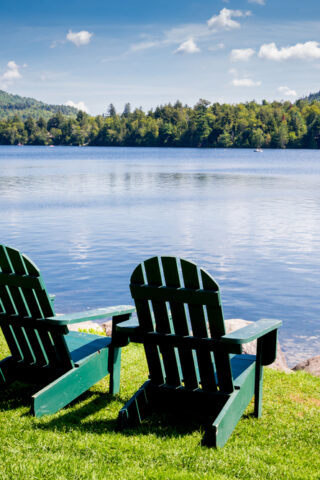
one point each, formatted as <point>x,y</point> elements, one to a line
<point>87,216</point>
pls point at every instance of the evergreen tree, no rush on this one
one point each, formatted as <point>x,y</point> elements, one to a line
<point>127,110</point>
<point>111,111</point>
<point>42,123</point>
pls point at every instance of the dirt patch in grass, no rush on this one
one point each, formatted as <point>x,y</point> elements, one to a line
<point>305,400</point>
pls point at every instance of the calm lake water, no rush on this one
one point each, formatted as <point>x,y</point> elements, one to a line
<point>88,216</point>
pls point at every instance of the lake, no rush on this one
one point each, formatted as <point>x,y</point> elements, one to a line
<point>87,216</point>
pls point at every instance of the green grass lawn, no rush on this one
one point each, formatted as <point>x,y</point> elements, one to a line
<point>80,442</point>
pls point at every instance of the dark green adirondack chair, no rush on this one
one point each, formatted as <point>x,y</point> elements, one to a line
<point>43,351</point>
<point>195,369</point>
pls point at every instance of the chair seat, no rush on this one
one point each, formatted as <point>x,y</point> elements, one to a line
<point>81,345</point>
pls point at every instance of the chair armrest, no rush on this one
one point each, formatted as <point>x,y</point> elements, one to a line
<point>129,326</point>
<point>252,331</point>
<point>95,314</point>
<point>243,335</point>
<point>123,332</point>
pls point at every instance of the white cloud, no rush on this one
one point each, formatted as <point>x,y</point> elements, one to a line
<point>188,47</point>
<point>287,92</point>
<point>55,43</point>
<point>233,71</point>
<point>259,2</point>
<point>143,46</point>
<point>190,30</point>
<point>79,105</point>
<point>224,19</point>
<point>244,82</point>
<point>241,54</point>
<point>79,38</point>
<point>193,32</point>
<point>301,51</point>
<point>214,48</point>
<point>12,72</point>
<point>174,36</point>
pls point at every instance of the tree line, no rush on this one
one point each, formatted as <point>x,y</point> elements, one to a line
<point>246,125</point>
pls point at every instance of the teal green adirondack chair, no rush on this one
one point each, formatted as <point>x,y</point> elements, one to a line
<point>195,369</point>
<point>43,351</point>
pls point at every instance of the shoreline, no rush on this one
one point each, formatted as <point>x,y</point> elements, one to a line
<point>162,147</point>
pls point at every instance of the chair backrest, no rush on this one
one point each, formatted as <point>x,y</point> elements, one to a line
<point>180,304</point>
<point>24,304</point>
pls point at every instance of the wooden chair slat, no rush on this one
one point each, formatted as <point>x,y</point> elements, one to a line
<point>214,313</point>
<point>20,280</point>
<point>145,317</point>
<point>6,300</point>
<point>182,295</point>
<point>224,372</point>
<point>53,361</point>
<point>34,347</point>
<point>178,314</point>
<point>37,324</point>
<point>186,343</point>
<point>45,303</point>
<point>12,264</point>
<point>40,295</point>
<point>18,301</point>
<point>162,324</point>
<point>5,265</point>
<point>16,261</point>
<point>12,342</point>
<point>152,352</point>
<point>180,322</point>
<point>191,281</point>
<point>23,343</point>
<point>199,327</point>
<point>146,321</point>
<point>39,357</point>
<point>153,275</point>
<point>32,302</point>
<point>34,338</point>
<point>217,329</point>
<point>61,350</point>
<point>27,277</point>
<point>30,267</point>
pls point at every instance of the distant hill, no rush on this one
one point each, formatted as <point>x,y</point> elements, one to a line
<point>312,97</point>
<point>11,105</point>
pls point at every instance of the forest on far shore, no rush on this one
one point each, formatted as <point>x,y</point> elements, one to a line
<point>245,125</point>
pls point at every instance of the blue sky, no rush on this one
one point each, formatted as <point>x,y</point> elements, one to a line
<point>92,53</point>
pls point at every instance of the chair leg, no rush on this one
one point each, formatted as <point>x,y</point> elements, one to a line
<point>258,382</point>
<point>136,409</point>
<point>114,368</point>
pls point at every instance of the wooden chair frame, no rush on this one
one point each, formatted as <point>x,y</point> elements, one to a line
<point>44,352</point>
<point>195,368</point>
